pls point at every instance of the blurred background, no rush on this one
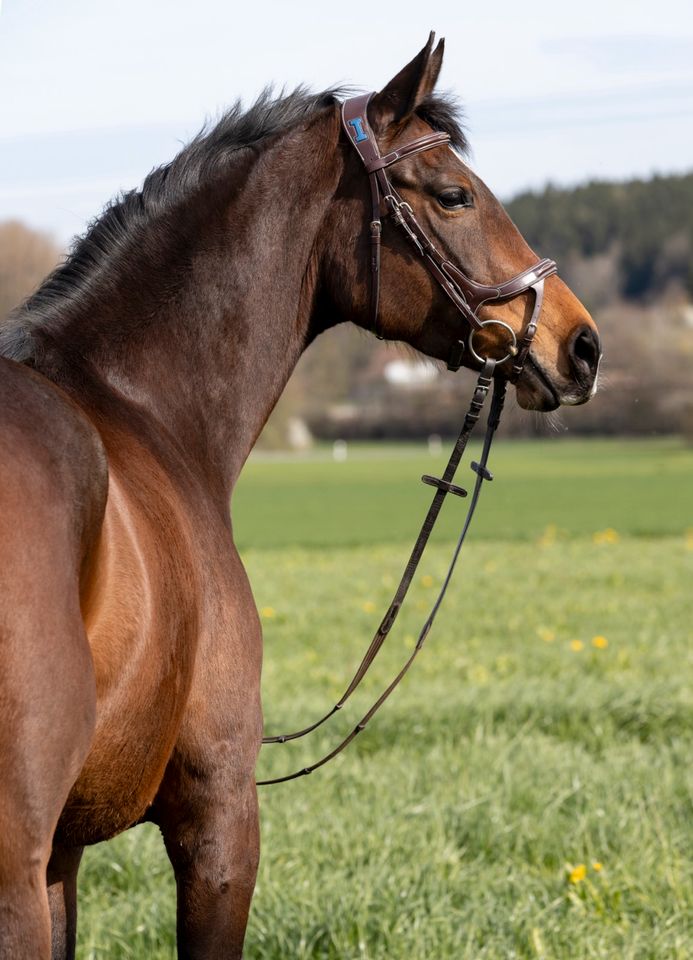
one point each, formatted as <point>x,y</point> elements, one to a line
<point>527,791</point>
<point>582,123</point>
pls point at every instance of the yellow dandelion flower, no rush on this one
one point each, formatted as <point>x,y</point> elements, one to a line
<point>268,612</point>
<point>606,536</point>
<point>577,874</point>
<point>576,645</point>
<point>368,606</point>
<point>597,865</point>
<point>478,673</point>
<point>503,663</point>
<point>427,580</point>
<point>549,535</point>
<point>689,538</point>
<point>601,643</point>
<point>548,636</point>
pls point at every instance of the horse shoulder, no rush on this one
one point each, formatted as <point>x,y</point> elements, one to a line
<point>141,610</point>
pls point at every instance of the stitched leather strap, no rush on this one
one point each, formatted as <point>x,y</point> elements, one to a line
<point>409,150</point>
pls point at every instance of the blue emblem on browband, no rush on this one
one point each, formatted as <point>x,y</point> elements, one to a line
<point>360,133</point>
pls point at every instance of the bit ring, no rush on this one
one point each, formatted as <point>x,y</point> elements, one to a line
<point>512,347</point>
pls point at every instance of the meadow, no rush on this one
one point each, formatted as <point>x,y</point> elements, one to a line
<point>526,793</point>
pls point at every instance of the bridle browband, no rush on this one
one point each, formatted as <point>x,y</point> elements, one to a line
<point>468,296</point>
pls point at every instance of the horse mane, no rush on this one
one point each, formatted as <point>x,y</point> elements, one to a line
<point>127,217</point>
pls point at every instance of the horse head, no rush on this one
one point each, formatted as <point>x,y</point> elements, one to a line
<point>438,194</point>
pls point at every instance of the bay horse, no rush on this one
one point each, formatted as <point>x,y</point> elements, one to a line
<point>133,386</point>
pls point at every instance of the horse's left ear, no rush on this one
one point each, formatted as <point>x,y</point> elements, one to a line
<point>404,93</point>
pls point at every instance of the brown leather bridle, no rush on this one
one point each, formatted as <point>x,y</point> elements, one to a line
<point>468,296</point>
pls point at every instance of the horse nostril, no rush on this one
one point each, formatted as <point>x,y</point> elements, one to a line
<point>585,349</point>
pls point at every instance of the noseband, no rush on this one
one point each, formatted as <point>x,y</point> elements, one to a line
<point>466,294</point>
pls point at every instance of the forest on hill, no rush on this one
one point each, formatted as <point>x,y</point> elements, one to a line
<point>626,249</point>
<point>645,225</point>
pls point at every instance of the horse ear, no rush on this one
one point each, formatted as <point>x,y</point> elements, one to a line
<point>413,83</point>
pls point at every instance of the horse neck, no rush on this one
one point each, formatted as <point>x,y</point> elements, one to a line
<point>205,332</point>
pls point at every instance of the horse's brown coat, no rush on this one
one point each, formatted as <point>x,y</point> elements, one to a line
<point>130,643</point>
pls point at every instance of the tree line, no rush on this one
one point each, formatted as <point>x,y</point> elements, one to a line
<point>646,224</point>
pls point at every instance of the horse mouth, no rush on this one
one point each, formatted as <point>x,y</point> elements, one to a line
<point>535,391</point>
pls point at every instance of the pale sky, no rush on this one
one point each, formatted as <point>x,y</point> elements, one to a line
<point>94,94</point>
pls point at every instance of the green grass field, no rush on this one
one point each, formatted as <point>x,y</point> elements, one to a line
<point>526,793</point>
<point>641,488</point>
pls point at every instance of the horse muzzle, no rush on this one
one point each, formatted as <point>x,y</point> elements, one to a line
<point>544,390</point>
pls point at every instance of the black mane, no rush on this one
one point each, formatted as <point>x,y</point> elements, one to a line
<point>127,216</point>
<point>443,112</point>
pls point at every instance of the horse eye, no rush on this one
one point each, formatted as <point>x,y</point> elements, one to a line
<point>454,198</point>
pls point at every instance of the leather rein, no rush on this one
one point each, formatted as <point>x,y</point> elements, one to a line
<point>467,296</point>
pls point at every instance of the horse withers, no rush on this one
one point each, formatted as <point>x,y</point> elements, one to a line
<point>133,386</point>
